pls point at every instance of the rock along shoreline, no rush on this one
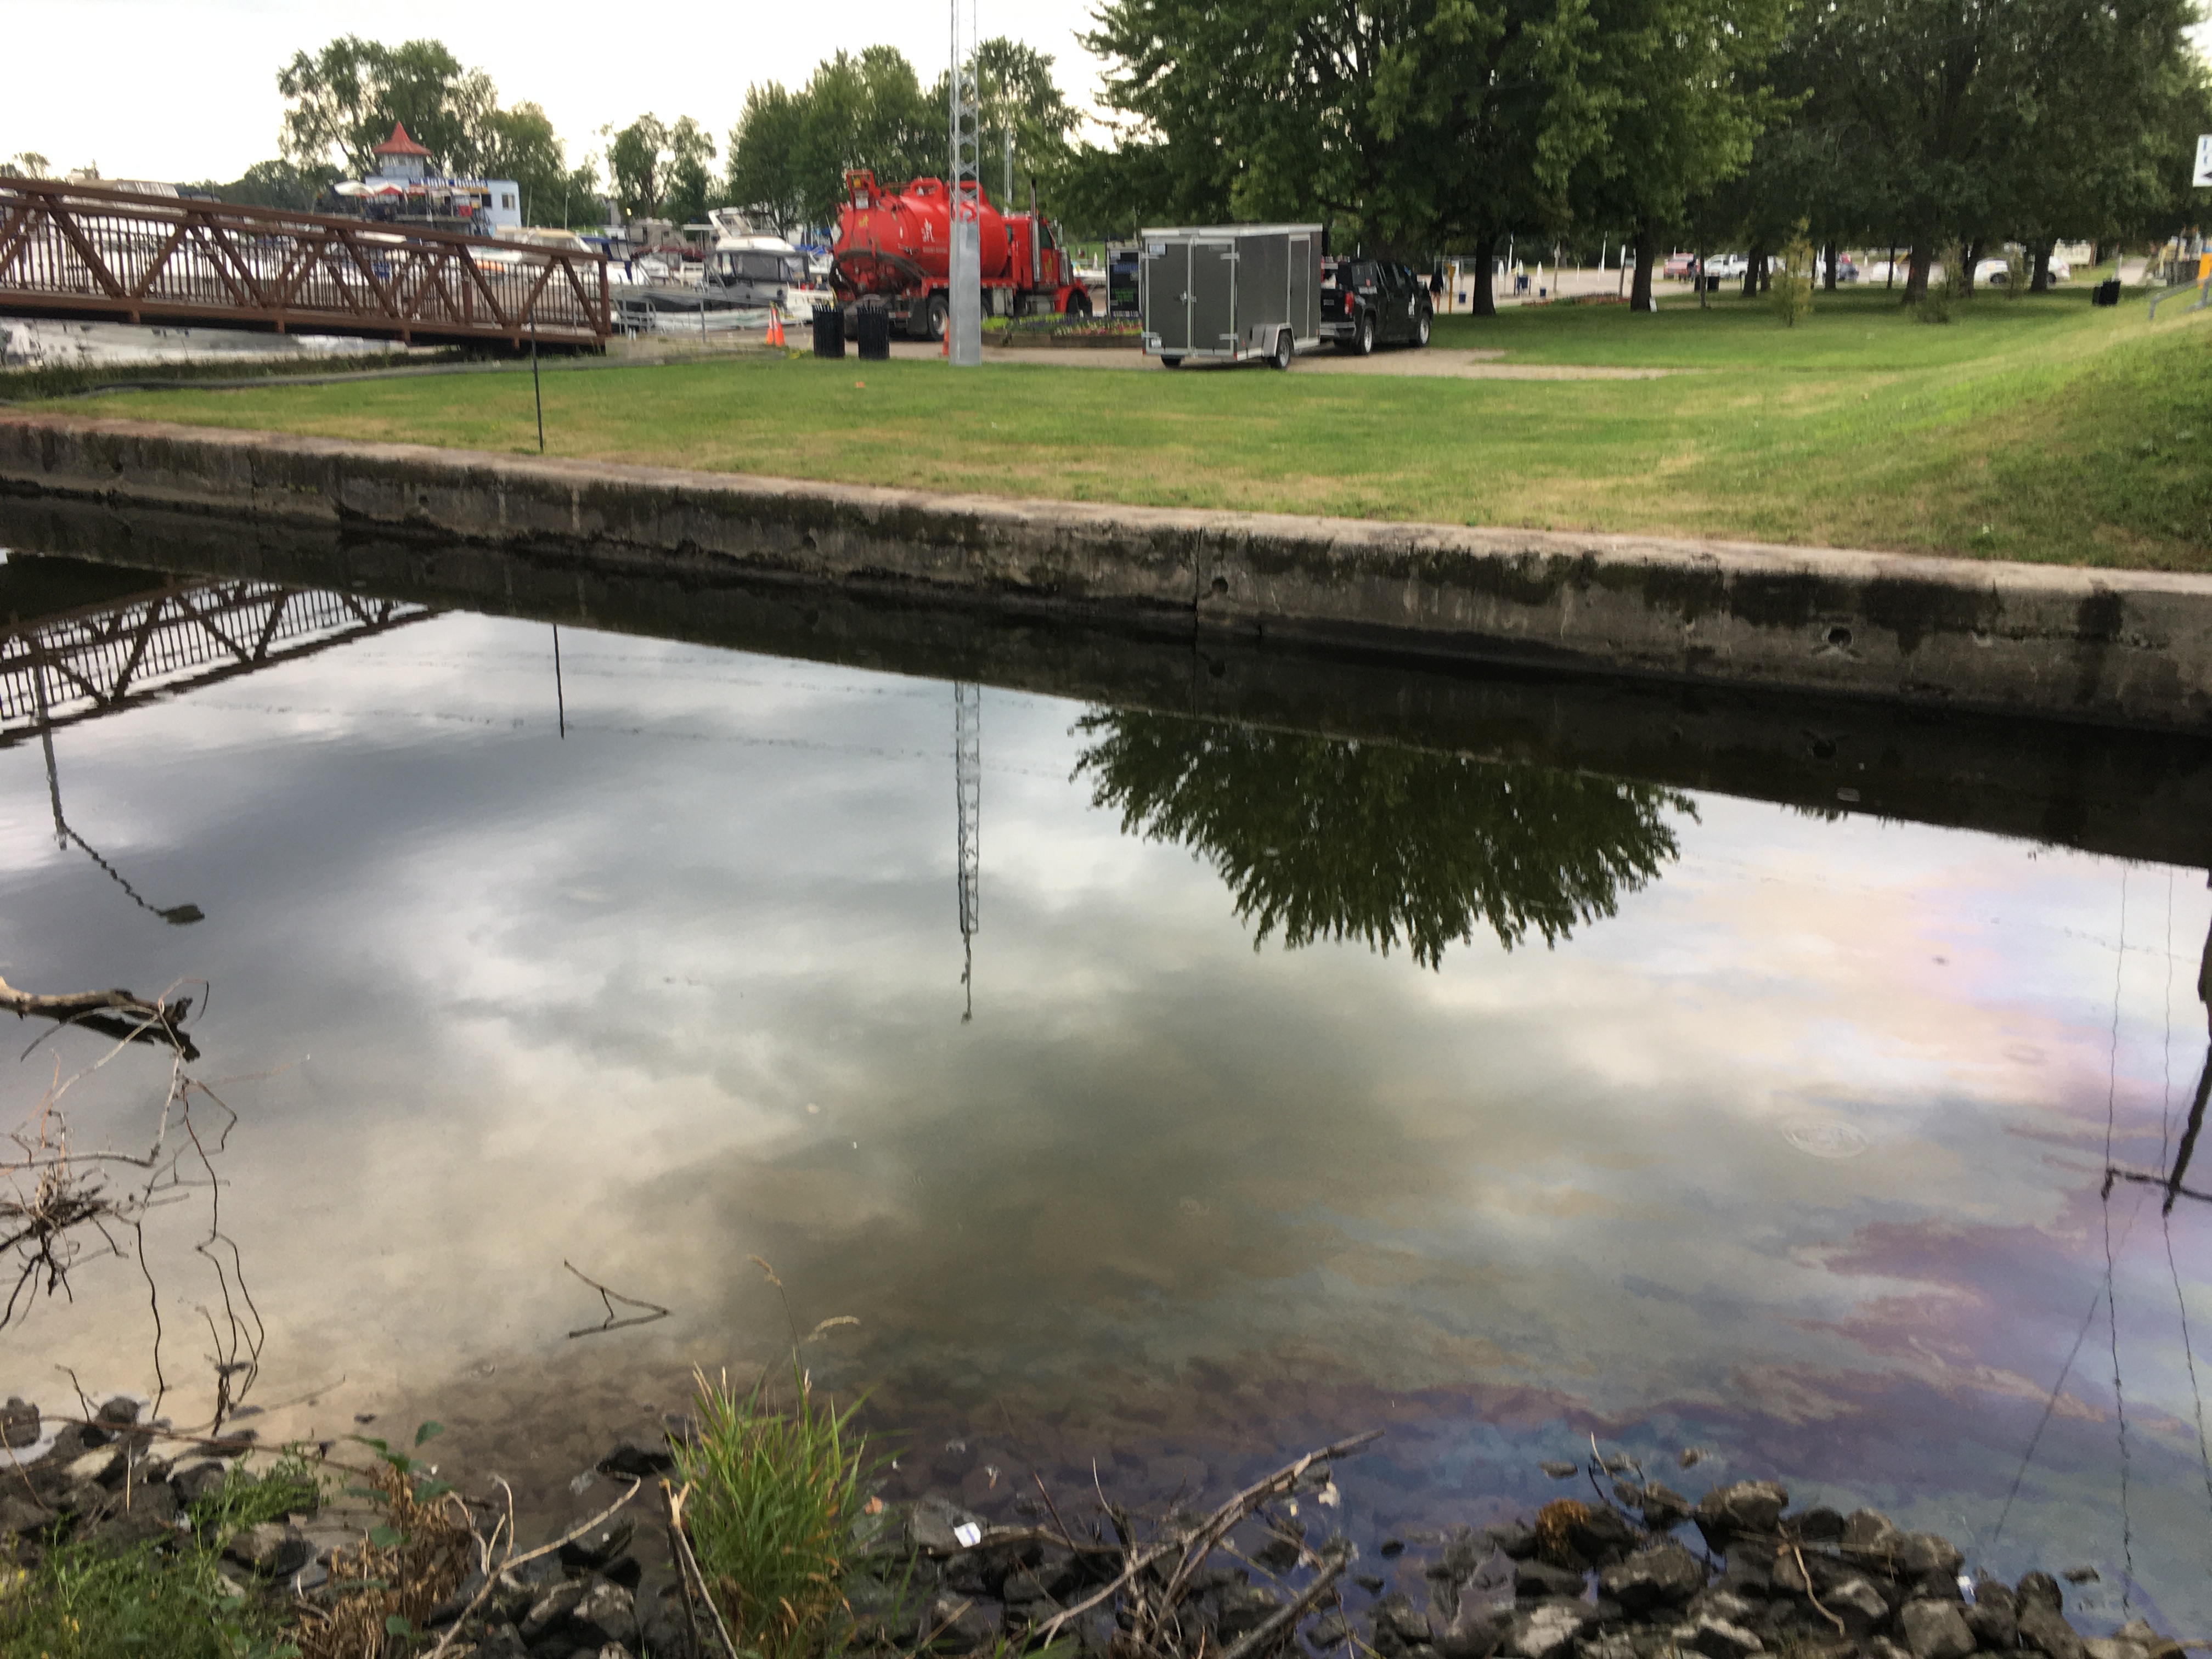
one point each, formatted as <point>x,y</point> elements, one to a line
<point>1639,1572</point>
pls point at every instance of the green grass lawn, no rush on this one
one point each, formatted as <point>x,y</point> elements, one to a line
<point>2034,429</point>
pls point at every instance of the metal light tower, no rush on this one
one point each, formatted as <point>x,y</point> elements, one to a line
<point>965,324</point>
<point>968,785</point>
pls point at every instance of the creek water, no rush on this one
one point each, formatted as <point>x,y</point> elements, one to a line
<point>1283,1086</point>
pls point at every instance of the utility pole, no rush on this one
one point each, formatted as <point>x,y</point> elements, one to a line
<point>968,786</point>
<point>964,327</point>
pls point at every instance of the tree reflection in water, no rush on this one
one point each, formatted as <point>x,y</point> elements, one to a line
<point>1335,839</point>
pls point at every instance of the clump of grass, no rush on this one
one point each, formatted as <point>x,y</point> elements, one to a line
<point>243,1502</point>
<point>769,1507</point>
<point>84,1602</point>
<point>1555,1526</point>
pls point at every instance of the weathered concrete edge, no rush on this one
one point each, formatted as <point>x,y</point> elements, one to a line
<point>2133,647</point>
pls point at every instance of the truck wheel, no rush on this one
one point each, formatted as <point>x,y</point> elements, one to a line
<point>1079,306</point>
<point>1280,357</point>
<point>1364,345</point>
<point>1421,333</point>
<point>934,322</point>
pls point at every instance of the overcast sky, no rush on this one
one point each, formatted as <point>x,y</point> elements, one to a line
<point>186,89</point>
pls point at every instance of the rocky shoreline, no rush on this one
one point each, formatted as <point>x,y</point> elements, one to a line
<point>1634,1572</point>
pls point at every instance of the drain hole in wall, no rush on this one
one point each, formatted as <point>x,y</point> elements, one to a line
<point>1220,586</point>
<point>1839,636</point>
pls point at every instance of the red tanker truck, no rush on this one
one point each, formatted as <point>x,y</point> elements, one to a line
<point>895,246</point>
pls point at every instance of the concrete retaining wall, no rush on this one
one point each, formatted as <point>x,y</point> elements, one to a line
<point>2132,648</point>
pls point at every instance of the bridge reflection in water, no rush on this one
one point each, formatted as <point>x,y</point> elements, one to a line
<point>60,668</point>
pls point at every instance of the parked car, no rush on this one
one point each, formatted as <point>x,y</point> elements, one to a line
<point>1992,272</point>
<point>1678,266</point>
<point>1366,303</point>
<point>1727,266</point>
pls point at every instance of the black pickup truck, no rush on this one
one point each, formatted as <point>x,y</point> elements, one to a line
<point>1366,303</point>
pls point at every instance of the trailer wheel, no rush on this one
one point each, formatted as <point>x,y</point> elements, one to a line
<point>1280,357</point>
<point>934,322</point>
<point>1170,363</point>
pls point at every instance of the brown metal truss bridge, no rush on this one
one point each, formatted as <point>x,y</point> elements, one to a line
<point>58,671</point>
<point>81,251</point>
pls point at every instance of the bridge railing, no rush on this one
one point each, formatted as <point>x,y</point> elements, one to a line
<point>83,251</point>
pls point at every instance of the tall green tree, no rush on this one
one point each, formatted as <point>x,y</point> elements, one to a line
<point>637,155</point>
<point>1323,839</point>
<point>660,168</point>
<point>764,178</point>
<point>866,111</point>
<point>342,102</point>
<point>1018,103</point>
<point>1347,113</point>
<point>1688,96</point>
<point>277,184</point>
<point>519,143</point>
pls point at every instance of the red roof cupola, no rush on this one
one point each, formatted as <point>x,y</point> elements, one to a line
<point>400,143</point>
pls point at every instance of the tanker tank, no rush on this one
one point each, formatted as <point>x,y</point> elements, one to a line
<point>895,241</point>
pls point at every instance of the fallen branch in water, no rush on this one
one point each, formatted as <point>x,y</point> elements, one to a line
<point>117,1014</point>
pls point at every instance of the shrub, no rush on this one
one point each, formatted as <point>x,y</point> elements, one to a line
<point>82,1602</point>
<point>1935,305</point>
<point>1791,290</point>
<point>770,1501</point>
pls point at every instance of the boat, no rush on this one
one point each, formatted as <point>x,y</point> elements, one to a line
<point>750,268</point>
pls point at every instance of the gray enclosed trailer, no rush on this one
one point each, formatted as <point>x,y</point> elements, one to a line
<point>1230,292</point>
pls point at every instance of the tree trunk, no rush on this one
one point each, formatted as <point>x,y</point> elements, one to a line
<point>1829,282</point>
<point>1972,254</point>
<point>1639,292</point>
<point>1889,270</point>
<point>1766,269</point>
<point>1752,263</point>
<point>1915,274</point>
<point>1485,296</point>
<point>1702,281</point>
<point>2040,283</point>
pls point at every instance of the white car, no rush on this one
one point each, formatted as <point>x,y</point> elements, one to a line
<point>1726,264</point>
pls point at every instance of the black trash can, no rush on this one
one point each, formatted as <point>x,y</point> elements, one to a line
<point>829,331</point>
<point>875,334</point>
<point>2106,293</point>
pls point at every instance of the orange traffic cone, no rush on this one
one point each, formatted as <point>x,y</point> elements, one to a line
<point>775,327</point>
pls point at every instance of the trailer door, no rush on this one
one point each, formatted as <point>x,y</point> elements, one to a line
<point>1166,273</point>
<point>1213,297</point>
<point>1305,291</point>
